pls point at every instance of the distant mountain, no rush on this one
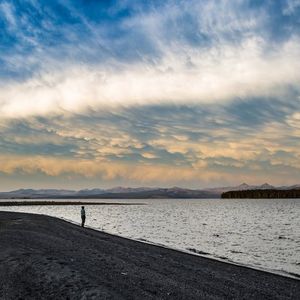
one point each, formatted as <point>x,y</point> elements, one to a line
<point>41,193</point>
<point>295,186</point>
<point>89,192</point>
<point>265,186</point>
<point>241,187</point>
<point>159,193</point>
<point>118,192</point>
<point>121,189</point>
<point>134,193</point>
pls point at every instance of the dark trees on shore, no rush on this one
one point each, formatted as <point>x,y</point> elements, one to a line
<point>272,193</point>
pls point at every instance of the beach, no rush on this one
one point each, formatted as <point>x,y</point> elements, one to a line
<point>47,258</point>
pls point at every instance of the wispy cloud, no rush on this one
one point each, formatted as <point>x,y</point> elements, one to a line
<point>216,76</point>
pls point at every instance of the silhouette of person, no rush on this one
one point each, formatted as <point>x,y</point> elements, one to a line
<point>82,216</point>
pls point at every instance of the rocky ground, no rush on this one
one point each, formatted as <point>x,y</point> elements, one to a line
<point>47,258</point>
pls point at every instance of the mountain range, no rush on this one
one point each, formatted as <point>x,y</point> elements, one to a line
<point>134,193</point>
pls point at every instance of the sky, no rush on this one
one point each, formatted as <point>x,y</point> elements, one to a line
<point>149,93</point>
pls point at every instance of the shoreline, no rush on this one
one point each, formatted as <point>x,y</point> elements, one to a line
<point>194,252</point>
<point>199,253</point>
<point>33,235</point>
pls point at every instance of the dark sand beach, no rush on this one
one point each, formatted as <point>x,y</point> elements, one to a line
<point>47,258</point>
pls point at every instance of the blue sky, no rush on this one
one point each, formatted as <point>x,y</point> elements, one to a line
<point>152,93</point>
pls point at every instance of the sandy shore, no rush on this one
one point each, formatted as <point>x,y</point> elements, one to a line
<point>47,258</point>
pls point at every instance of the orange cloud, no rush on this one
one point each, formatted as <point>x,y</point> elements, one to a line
<point>138,173</point>
<point>97,168</point>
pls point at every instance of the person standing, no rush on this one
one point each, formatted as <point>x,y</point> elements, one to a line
<point>82,216</point>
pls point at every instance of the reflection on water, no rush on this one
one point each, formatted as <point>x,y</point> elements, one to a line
<point>258,232</point>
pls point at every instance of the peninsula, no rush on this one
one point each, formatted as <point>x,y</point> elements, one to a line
<point>266,194</point>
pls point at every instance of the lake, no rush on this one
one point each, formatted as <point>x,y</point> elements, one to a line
<point>261,233</point>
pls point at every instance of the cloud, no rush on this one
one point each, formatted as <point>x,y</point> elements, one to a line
<point>71,59</point>
<point>291,7</point>
<point>8,13</point>
<point>219,75</point>
<point>186,145</point>
<point>212,171</point>
<point>86,168</point>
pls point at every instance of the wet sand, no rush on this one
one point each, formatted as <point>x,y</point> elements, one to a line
<point>47,258</point>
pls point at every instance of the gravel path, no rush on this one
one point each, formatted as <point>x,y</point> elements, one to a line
<point>47,258</point>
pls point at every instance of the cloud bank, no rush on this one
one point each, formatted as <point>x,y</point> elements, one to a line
<point>192,77</point>
<point>181,53</point>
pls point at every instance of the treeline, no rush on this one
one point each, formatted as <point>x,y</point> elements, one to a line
<point>293,193</point>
